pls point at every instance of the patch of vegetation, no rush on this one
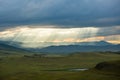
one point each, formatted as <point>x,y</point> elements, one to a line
<point>43,67</point>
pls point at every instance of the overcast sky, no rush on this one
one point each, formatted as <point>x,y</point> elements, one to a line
<point>67,13</point>
<point>102,15</point>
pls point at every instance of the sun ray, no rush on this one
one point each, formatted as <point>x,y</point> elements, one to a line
<point>36,37</point>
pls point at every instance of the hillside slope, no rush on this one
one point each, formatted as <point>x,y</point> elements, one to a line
<point>7,49</point>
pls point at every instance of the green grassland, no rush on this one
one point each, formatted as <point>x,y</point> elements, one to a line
<point>25,66</point>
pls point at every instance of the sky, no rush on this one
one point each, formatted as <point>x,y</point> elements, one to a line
<point>59,21</point>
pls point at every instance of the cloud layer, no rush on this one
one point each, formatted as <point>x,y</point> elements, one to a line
<point>59,21</point>
<point>65,13</point>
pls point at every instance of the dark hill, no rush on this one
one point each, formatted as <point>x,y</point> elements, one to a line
<point>7,49</point>
<point>113,66</point>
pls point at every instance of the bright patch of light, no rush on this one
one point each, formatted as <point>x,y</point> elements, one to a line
<point>38,37</point>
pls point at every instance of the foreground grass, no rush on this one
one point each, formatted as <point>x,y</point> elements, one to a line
<point>35,68</point>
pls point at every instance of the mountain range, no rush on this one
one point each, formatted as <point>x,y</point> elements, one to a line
<point>95,43</point>
<point>100,46</point>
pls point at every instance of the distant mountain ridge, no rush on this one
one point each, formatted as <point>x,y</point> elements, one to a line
<point>96,43</point>
<point>75,47</point>
<point>80,47</point>
<point>4,46</point>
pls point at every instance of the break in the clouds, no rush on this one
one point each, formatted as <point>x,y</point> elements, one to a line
<point>63,13</point>
<point>41,37</point>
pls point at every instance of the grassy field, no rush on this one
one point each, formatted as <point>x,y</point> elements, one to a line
<point>30,67</point>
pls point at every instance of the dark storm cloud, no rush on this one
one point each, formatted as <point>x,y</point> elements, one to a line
<point>64,13</point>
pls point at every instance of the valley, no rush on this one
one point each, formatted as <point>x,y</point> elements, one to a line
<point>32,66</point>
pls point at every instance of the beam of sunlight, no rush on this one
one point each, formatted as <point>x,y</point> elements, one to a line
<point>42,37</point>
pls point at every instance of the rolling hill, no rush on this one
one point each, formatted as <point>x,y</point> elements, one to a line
<point>10,50</point>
